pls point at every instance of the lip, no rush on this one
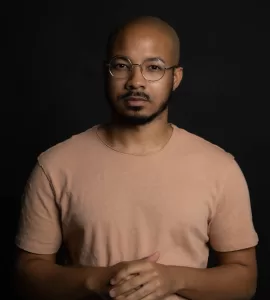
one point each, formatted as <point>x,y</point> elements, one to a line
<point>135,101</point>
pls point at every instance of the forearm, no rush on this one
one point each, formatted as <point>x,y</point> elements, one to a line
<point>39,279</point>
<point>227,282</point>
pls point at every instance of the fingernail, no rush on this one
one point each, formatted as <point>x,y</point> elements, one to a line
<point>112,293</point>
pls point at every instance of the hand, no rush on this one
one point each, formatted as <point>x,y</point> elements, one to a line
<point>152,258</point>
<point>154,281</point>
<point>98,280</point>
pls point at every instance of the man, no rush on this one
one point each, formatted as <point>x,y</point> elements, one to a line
<point>136,201</point>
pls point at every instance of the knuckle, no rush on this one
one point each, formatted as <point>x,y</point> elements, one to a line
<point>124,268</point>
<point>159,292</point>
<point>142,292</point>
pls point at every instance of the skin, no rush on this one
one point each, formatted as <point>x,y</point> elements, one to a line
<point>148,37</point>
<point>139,40</point>
<point>38,275</point>
<point>234,278</point>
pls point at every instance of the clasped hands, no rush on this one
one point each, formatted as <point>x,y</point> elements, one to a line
<point>143,278</point>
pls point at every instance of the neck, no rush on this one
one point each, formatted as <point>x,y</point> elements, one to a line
<point>133,139</point>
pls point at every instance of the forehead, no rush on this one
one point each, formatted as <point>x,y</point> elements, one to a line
<point>142,42</point>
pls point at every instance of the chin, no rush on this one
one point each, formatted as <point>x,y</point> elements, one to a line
<point>136,119</point>
<point>137,115</point>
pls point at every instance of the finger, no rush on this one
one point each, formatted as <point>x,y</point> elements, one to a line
<point>153,257</point>
<point>122,281</point>
<point>132,268</point>
<point>134,283</point>
<point>129,293</point>
<point>146,292</point>
<point>128,278</point>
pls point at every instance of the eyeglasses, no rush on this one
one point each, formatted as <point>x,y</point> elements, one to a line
<point>152,69</point>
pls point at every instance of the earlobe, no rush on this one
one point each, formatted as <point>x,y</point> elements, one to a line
<point>178,75</point>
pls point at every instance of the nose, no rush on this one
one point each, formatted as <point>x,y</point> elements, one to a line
<point>136,79</point>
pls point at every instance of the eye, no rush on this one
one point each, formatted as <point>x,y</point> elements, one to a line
<point>120,66</point>
<point>154,68</point>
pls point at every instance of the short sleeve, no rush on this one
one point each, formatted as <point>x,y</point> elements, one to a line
<point>231,227</point>
<point>39,229</point>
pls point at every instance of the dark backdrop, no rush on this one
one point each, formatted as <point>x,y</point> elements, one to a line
<point>53,88</point>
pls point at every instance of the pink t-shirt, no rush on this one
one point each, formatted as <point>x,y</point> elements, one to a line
<point>107,206</point>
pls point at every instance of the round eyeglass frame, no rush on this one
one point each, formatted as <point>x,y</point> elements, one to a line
<point>138,65</point>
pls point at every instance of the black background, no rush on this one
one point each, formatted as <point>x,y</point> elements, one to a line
<point>53,88</point>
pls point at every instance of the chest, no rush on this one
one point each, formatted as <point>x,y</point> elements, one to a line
<point>121,198</point>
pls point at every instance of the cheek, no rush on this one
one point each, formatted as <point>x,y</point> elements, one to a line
<point>161,90</point>
<point>115,87</point>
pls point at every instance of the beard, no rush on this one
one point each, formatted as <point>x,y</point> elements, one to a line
<point>139,120</point>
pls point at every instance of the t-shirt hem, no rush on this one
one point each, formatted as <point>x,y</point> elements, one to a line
<point>236,247</point>
<point>34,247</point>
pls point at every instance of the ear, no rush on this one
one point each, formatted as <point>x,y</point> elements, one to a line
<point>177,77</point>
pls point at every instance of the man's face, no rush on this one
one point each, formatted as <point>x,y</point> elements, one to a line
<point>133,98</point>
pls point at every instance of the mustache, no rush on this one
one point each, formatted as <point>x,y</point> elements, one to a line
<point>134,94</point>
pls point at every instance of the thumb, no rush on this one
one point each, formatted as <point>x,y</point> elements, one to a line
<point>153,257</point>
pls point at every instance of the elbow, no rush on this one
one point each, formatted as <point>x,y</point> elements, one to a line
<point>250,287</point>
<point>247,283</point>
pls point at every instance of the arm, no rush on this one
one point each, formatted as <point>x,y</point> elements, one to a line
<point>234,279</point>
<point>38,239</point>
<point>233,237</point>
<point>39,277</point>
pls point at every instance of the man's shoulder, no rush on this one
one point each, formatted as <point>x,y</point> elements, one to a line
<point>74,147</point>
<point>198,147</point>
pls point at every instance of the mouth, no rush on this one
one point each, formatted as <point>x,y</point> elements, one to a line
<point>135,101</point>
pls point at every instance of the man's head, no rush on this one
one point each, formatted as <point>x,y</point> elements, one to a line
<point>142,70</point>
